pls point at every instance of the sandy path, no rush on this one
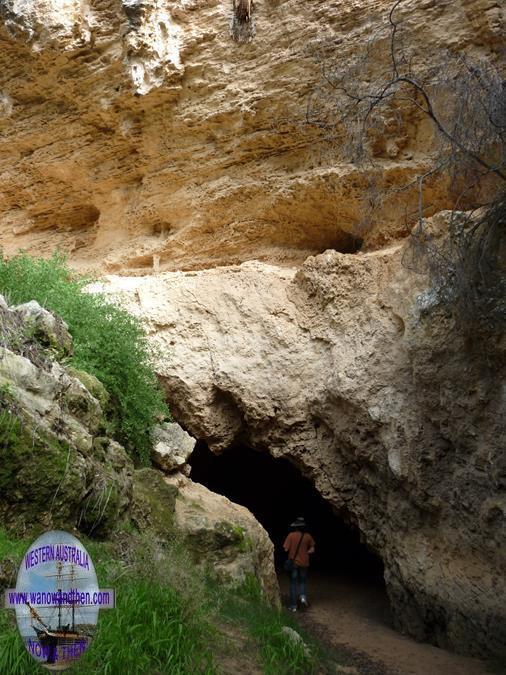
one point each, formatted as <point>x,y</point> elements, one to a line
<point>356,615</point>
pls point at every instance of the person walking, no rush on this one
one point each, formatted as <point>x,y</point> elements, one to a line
<point>299,545</point>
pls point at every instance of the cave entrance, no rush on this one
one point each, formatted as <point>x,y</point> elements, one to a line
<point>276,493</point>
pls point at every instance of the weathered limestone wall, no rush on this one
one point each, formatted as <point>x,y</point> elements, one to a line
<point>336,367</point>
<point>138,134</point>
<point>58,468</point>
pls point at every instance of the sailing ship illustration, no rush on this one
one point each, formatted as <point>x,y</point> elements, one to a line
<point>67,641</point>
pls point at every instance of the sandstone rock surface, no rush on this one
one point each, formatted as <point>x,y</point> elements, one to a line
<point>141,135</point>
<point>60,469</point>
<point>337,367</point>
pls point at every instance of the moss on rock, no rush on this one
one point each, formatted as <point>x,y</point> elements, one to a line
<point>154,502</point>
<point>92,384</point>
<point>42,478</point>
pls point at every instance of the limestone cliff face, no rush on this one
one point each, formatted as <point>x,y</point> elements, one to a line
<point>139,133</point>
<point>140,136</point>
<point>336,367</point>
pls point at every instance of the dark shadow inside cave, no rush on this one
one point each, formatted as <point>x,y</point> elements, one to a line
<point>276,493</point>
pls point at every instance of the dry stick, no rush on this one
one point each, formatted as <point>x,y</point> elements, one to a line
<point>420,202</point>
<point>429,111</point>
<point>476,75</point>
<point>392,36</point>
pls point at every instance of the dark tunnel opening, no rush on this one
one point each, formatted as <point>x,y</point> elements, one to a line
<point>276,493</point>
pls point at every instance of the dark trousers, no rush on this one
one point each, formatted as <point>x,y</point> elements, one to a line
<point>298,578</point>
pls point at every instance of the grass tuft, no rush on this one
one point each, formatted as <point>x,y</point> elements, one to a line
<point>280,653</point>
<point>170,618</point>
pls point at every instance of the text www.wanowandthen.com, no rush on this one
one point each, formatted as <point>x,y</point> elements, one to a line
<point>100,598</point>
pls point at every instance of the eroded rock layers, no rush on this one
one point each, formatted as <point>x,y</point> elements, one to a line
<point>60,468</point>
<point>140,134</point>
<point>159,136</point>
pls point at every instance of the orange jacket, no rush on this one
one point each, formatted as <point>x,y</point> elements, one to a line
<point>306,547</point>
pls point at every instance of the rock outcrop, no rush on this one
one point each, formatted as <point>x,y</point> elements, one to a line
<point>145,136</point>
<point>224,537</point>
<point>138,135</point>
<point>221,537</point>
<point>60,469</point>
<point>339,367</point>
<point>58,466</point>
<point>172,446</point>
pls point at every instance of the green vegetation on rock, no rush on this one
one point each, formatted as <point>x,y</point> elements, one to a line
<point>109,343</point>
<point>46,482</point>
<point>237,535</point>
<point>153,503</point>
<point>38,464</point>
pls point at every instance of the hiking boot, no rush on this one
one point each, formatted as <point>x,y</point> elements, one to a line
<point>292,609</point>
<point>304,604</point>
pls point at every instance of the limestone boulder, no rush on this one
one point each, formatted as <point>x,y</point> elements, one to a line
<point>52,399</point>
<point>223,537</point>
<point>45,327</point>
<point>172,446</point>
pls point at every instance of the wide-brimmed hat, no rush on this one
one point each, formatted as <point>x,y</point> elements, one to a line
<point>298,522</point>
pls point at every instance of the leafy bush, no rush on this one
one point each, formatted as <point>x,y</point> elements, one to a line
<point>108,343</point>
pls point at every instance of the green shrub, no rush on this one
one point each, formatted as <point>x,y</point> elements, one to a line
<point>108,343</point>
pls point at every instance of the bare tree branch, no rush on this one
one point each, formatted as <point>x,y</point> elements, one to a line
<point>360,111</point>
